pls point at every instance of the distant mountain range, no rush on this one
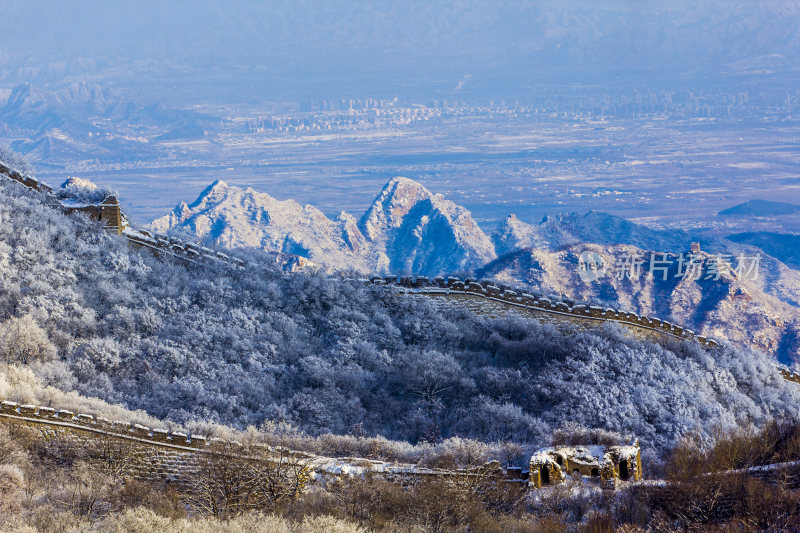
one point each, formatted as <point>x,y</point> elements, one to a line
<point>783,246</point>
<point>760,208</point>
<point>567,229</point>
<point>85,120</point>
<point>406,229</point>
<point>409,230</point>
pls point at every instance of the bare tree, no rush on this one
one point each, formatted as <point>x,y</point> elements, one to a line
<point>83,492</point>
<point>231,479</point>
<point>116,455</point>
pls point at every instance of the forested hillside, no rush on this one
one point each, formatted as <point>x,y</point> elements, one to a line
<point>187,343</point>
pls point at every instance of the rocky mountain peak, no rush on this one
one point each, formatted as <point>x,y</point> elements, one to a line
<point>391,206</point>
<point>405,229</point>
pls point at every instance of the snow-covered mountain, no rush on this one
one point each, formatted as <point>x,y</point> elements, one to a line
<point>416,231</point>
<point>760,208</point>
<point>761,311</point>
<point>783,246</point>
<point>235,217</point>
<point>406,229</point>
<point>755,312</point>
<point>565,229</point>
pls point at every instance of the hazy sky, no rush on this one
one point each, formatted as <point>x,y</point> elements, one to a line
<point>495,41</point>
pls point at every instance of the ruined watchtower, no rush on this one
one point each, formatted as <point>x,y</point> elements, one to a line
<point>603,464</point>
<point>107,212</point>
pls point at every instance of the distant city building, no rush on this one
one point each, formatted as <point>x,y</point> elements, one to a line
<point>695,247</point>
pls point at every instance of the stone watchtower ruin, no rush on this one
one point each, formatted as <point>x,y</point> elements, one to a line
<point>604,464</point>
<point>107,212</point>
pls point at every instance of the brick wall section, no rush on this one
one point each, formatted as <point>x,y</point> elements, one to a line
<point>158,455</point>
<point>509,296</point>
<point>147,454</point>
<point>30,182</point>
<point>788,375</point>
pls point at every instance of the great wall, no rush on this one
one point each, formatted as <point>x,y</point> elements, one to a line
<point>159,455</point>
<point>172,457</point>
<point>508,296</point>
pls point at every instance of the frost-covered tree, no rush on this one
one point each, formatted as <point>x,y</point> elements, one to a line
<point>23,341</point>
<point>13,159</point>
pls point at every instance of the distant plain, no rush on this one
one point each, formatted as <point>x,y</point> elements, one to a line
<point>664,173</point>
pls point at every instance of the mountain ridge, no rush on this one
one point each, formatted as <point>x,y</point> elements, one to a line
<point>759,207</point>
<point>405,229</point>
<point>409,230</point>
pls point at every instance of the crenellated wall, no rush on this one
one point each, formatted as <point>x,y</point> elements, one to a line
<point>171,247</point>
<point>153,454</point>
<point>109,214</point>
<point>788,375</point>
<point>508,296</point>
<point>142,453</point>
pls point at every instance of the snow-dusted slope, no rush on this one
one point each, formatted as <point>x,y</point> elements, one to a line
<point>406,229</point>
<point>565,229</point>
<point>740,310</point>
<point>416,231</point>
<point>513,234</point>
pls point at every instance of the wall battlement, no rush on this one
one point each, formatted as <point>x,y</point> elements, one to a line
<point>175,248</point>
<point>88,423</point>
<point>159,455</point>
<point>28,181</point>
<point>451,286</point>
<point>173,457</point>
<point>788,375</point>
